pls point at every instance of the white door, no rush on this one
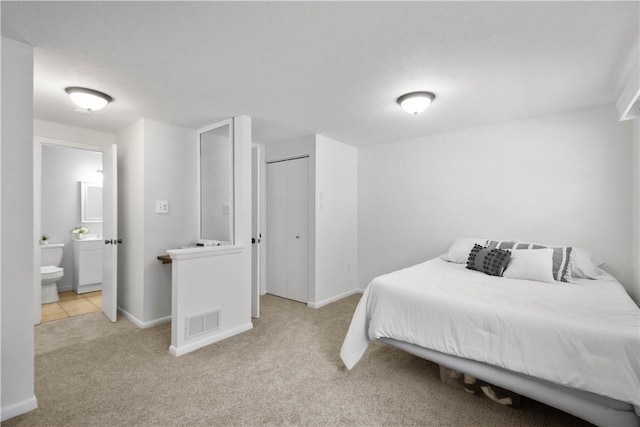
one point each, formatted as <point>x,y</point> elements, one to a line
<point>298,226</point>
<point>110,233</point>
<point>288,225</point>
<point>256,233</point>
<point>277,229</point>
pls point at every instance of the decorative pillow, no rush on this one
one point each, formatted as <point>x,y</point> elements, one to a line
<point>562,259</point>
<point>531,265</point>
<point>488,261</point>
<point>471,258</point>
<point>459,250</point>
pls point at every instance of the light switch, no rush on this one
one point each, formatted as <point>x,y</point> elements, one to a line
<point>162,207</point>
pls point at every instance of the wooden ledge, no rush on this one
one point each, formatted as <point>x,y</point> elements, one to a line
<point>165,259</point>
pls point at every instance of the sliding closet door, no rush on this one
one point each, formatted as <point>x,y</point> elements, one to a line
<point>287,228</point>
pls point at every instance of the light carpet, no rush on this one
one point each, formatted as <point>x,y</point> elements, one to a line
<point>286,371</point>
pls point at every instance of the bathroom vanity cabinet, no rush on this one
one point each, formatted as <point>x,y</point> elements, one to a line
<point>87,265</point>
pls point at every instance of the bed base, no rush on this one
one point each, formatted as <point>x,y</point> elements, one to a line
<point>599,410</point>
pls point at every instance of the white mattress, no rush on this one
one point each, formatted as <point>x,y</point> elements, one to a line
<point>584,335</point>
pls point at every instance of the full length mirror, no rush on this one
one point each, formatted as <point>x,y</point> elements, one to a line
<point>216,182</point>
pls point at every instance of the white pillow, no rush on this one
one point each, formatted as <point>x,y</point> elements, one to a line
<point>534,265</point>
<point>460,249</point>
<point>586,265</point>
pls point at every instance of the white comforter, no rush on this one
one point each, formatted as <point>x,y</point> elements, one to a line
<point>584,335</point>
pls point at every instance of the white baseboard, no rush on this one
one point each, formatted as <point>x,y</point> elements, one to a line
<point>19,408</point>
<point>334,298</point>
<point>65,288</point>
<point>88,288</point>
<point>139,323</point>
<point>210,339</point>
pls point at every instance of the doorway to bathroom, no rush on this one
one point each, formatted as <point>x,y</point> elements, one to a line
<point>75,196</point>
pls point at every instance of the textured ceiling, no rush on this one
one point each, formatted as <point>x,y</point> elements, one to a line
<point>333,68</point>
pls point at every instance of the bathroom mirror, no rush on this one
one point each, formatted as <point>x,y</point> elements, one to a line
<point>216,182</point>
<point>90,202</point>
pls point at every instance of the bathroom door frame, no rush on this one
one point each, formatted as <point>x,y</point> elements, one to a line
<point>257,158</point>
<point>38,142</point>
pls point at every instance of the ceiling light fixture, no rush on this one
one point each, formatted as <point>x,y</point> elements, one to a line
<point>88,99</point>
<point>416,102</point>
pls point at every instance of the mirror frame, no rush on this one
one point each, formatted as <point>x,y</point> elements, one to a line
<point>232,226</point>
<point>84,199</point>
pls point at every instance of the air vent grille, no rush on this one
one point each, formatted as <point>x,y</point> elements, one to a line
<point>202,323</point>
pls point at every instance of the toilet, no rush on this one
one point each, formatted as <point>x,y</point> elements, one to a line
<point>50,270</point>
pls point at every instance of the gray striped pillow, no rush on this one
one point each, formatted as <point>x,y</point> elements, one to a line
<point>561,256</point>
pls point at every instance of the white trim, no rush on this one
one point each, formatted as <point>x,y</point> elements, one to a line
<point>83,289</point>
<point>64,288</point>
<point>204,251</point>
<point>208,340</point>
<point>334,299</point>
<point>37,229</point>
<point>84,200</point>
<point>226,122</point>
<point>18,408</point>
<point>69,144</point>
<point>139,323</point>
<point>38,142</point>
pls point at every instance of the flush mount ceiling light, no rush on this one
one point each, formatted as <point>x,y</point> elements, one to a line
<point>88,99</point>
<point>416,102</point>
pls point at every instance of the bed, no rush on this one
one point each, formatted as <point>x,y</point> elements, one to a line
<point>574,346</point>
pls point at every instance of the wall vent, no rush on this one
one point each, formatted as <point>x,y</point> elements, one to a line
<point>202,323</point>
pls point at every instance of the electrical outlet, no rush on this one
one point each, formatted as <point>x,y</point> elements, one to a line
<point>162,207</point>
<point>226,208</point>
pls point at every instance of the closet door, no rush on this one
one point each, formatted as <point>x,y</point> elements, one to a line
<point>288,228</point>
<point>297,230</point>
<point>277,229</point>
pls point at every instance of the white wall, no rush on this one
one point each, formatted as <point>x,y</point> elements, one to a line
<point>336,219</point>
<point>281,150</point>
<point>62,170</point>
<point>170,173</point>
<point>131,219</point>
<point>222,282</point>
<point>304,146</point>
<point>19,241</point>
<point>634,289</point>
<point>560,179</point>
<point>67,133</point>
<point>156,161</point>
<point>333,172</point>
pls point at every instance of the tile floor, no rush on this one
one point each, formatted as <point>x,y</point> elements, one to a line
<point>72,304</point>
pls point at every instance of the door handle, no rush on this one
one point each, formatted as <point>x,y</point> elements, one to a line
<point>113,242</point>
<point>119,241</point>
<point>108,242</point>
<point>253,240</point>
